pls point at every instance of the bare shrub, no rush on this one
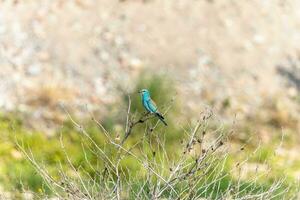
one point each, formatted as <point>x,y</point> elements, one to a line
<point>201,167</point>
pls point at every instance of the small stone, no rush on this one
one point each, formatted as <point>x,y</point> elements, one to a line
<point>119,41</point>
<point>259,39</point>
<point>34,70</point>
<point>28,195</point>
<point>292,92</point>
<point>104,56</point>
<point>136,63</point>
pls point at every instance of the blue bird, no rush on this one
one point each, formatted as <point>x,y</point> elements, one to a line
<point>150,106</point>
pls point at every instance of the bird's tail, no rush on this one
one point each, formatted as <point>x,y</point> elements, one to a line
<point>161,118</point>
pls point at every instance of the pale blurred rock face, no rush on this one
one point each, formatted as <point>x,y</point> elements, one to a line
<point>82,52</point>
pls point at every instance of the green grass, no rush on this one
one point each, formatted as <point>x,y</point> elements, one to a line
<point>161,150</point>
<point>18,173</point>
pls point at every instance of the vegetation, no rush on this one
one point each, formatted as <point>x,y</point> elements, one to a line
<point>186,160</point>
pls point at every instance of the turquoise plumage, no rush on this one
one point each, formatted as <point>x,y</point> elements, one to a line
<point>150,105</point>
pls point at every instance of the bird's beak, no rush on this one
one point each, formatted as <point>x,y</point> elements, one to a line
<point>139,92</point>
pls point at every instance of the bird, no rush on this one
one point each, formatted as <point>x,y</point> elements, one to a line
<point>150,105</point>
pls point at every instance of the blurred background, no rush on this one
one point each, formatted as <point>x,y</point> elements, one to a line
<point>239,58</point>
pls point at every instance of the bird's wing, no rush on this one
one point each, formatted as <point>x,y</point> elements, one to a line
<point>145,104</point>
<point>152,105</point>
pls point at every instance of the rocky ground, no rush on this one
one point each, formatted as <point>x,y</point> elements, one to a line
<point>242,54</point>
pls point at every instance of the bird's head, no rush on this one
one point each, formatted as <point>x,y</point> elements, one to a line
<point>144,92</point>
